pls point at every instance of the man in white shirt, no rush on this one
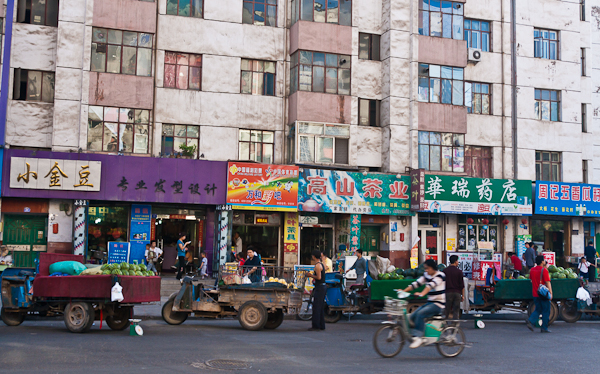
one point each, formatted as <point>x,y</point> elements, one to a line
<point>152,254</point>
<point>237,242</point>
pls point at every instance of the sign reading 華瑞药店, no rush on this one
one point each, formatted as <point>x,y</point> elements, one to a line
<point>449,194</point>
<point>567,199</point>
<point>55,174</point>
<point>335,191</point>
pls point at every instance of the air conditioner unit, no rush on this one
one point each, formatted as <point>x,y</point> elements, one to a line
<point>474,55</point>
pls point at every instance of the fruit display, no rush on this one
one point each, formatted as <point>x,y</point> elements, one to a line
<point>277,280</point>
<point>126,269</point>
<point>561,273</point>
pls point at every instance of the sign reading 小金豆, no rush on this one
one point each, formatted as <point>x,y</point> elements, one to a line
<point>262,187</point>
<point>567,199</point>
<point>55,174</point>
<point>449,194</point>
<point>335,191</point>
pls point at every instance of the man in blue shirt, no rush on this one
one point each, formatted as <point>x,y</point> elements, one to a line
<point>360,266</point>
<point>181,249</point>
<point>529,256</point>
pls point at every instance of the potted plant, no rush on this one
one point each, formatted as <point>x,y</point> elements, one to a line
<point>187,151</point>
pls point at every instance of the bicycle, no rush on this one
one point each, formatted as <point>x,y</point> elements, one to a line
<point>389,339</point>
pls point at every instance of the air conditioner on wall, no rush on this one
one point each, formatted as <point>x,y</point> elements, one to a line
<point>474,55</point>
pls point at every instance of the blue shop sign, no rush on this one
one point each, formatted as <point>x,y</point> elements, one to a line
<point>567,199</point>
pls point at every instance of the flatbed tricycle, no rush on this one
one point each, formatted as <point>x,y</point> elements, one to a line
<point>262,304</point>
<point>79,299</point>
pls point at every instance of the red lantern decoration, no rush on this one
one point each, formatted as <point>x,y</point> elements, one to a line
<point>469,220</point>
<point>485,221</point>
<point>524,221</point>
<point>505,221</point>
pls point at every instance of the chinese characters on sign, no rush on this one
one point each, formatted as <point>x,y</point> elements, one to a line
<point>355,193</point>
<point>262,187</point>
<point>449,194</point>
<point>417,190</point>
<point>355,225</point>
<point>290,239</point>
<point>567,199</point>
<point>49,174</point>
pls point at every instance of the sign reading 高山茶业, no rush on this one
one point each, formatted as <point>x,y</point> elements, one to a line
<point>449,194</point>
<point>55,174</point>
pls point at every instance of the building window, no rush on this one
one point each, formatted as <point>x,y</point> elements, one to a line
<point>478,161</point>
<point>256,145</point>
<point>329,11</point>
<point>547,166</point>
<point>260,12</point>
<point>546,43</point>
<point>368,46</point>
<point>174,136</point>
<point>121,52</point>
<point>323,143</point>
<point>584,169</point>
<point>183,71</point>
<point>547,105</point>
<point>442,19</point>
<point>38,12</point>
<point>441,84</point>
<point>478,34</point>
<point>368,112</point>
<point>258,77</point>
<point>478,98</point>
<point>185,8</point>
<point>582,61</point>
<point>583,117</point>
<point>33,85</point>
<point>320,72</point>
<point>474,229</point>
<point>122,130</point>
<point>582,10</point>
<point>441,151</point>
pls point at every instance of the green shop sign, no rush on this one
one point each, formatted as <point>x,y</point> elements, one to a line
<point>449,194</point>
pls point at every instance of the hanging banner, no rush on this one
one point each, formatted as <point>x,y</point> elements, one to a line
<point>140,232</point>
<point>449,194</point>
<point>253,186</point>
<point>567,199</point>
<point>354,232</point>
<point>335,191</point>
<point>290,239</point>
<point>118,252</point>
<point>417,190</point>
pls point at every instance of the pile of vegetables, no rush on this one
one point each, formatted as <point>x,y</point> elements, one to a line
<point>126,269</point>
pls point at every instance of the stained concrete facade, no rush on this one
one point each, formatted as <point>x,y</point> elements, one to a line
<point>221,110</point>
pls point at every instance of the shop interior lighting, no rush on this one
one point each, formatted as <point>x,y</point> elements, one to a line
<point>98,220</point>
<point>190,218</point>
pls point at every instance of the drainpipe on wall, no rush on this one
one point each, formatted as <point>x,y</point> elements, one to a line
<point>513,71</point>
<point>10,9</point>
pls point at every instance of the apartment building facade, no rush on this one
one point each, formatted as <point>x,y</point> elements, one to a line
<point>371,87</point>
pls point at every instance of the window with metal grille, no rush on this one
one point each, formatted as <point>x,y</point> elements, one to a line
<point>547,166</point>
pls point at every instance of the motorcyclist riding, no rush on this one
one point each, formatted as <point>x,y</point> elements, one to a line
<point>435,289</point>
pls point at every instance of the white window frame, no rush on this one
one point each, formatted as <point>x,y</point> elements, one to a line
<point>320,136</point>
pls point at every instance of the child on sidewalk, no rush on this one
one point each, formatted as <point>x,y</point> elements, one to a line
<point>203,266</point>
<point>583,267</point>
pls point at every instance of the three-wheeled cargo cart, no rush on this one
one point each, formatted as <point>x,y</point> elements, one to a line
<point>80,299</point>
<point>507,294</point>
<point>257,305</point>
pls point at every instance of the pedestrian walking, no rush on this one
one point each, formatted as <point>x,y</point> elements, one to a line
<point>203,265</point>
<point>584,268</point>
<point>590,255</point>
<point>454,288</point>
<point>529,256</point>
<point>318,317</point>
<point>539,277</point>
<point>360,266</point>
<point>181,249</point>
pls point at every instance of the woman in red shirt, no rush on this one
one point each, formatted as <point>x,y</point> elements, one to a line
<point>517,264</point>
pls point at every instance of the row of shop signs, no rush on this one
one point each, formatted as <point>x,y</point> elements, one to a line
<point>252,186</point>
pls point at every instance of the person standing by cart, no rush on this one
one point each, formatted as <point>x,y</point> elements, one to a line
<point>360,266</point>
<point>318,317</point>
<point>590,254</point>
<point>517,264</point>
<point>454,288</point>
<point>529,256</point>
<point>539,275</point>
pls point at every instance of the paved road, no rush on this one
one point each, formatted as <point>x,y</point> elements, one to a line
<point>503,346</point>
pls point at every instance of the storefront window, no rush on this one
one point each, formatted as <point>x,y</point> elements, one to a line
<point>550,235</point>
<point>106,224</point>
<point>476,229</point>
<point>589,229</point>
<point>261,230</point>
